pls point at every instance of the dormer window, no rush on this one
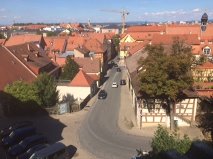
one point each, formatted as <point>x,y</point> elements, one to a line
<point>207,51</point>
<point>26,57</point>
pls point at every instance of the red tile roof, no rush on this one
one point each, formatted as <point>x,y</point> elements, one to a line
<point>81,80</point>
<point>151,28</point>
<point>206,65</point>
<point>33,58</point>
<point>138,36</point>
<point>189,29</point>
<point>34,27</point>
<point>109,36</point>
<point>137,48</point>
<point>21,39</point>
<point>2,41</point>
<point>129,45</point>
<point>12,69</point>
<point>94,46</point>
<point>56,43</point>
<point>205,93</point>
<point>74,42</point>
<point>61,61</point>
<point>88,65</point>
<point>191,39</point>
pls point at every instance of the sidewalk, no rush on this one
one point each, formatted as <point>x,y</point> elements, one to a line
<point>127,119</point>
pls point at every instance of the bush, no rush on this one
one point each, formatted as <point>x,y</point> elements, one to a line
<point>164,141</point>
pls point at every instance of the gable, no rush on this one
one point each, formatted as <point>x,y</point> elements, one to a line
<point>127,38</point>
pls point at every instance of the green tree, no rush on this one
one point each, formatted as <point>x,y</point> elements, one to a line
<point>46,90</point>
<point>52,34</point>
<point>70,69</point>
<point>116,41</point>
<point>164,141</point>
<point>166,73</point>
<point>2,36</point>
<point>20,99</point>
<point>24,92</point>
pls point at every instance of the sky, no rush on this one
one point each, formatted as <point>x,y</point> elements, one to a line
<point>82,11</point>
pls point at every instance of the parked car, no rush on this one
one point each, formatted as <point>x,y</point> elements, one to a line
<point>6,131</point>
<point>57,151</point>
<point>122,82</point>
<point>18,135</point>
<point>30,151</point>
<point>102,94</point>
<point>118,69</point>
<point>114,85</point>
<point>25,144</point>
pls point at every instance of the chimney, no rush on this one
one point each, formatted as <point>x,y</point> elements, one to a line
<point>28,47</point>
<point>37,54</point>
<point>26,57</point>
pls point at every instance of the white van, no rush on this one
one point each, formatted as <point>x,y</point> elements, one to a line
<point>54,151</point>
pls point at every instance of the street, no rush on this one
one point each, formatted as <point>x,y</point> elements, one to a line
<point>99,132</point>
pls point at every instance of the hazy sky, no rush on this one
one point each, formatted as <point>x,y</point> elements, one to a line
<point>84,10</point>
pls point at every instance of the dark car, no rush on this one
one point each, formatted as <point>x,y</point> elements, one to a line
<point>6,131</point>
<point>18,135</point>
<point>118,69</point>
<point>115,65</point>
<point>25,144</point>
<point>30,151</point>
<point>122,82</point>
<point>102,94</point>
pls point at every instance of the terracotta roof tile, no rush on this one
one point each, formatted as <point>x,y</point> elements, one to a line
<point>33,58</point>
<point>34,27</point>
<point>81,80</point>
<point>189,29</point>
<point>151,28</point>
<point>206,65</point>
<point>12,69</point>
<point>56,43</point>
<point>74,42</point>
<point>205,93</point>
<point>2,41</point>
<point>88,65</point>
<point>94,46</point>
<point>191,39</point>
<point>137,48</point>
<point>20,39</point>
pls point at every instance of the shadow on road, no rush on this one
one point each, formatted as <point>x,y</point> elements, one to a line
<point>13,111</point>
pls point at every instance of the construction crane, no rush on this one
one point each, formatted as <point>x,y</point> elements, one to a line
<point>123,13</point>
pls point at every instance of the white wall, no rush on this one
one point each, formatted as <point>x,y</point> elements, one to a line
<point>77,92</point>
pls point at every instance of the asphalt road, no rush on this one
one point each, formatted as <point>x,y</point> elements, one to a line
<point>100,134</point>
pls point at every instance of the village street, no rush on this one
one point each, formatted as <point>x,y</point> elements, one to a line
<point>100,133</point>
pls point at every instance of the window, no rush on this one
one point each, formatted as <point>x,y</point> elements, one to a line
<point>206,51</point>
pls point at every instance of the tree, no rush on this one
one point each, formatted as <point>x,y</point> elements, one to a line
<point>70,69</point>
<point>20,99</point>
<point>22,91</point>
<point>2,36</point>
<point>166,73</point>
<point>164,141</point>
<point>116,41</point>
<point>46,90</point>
